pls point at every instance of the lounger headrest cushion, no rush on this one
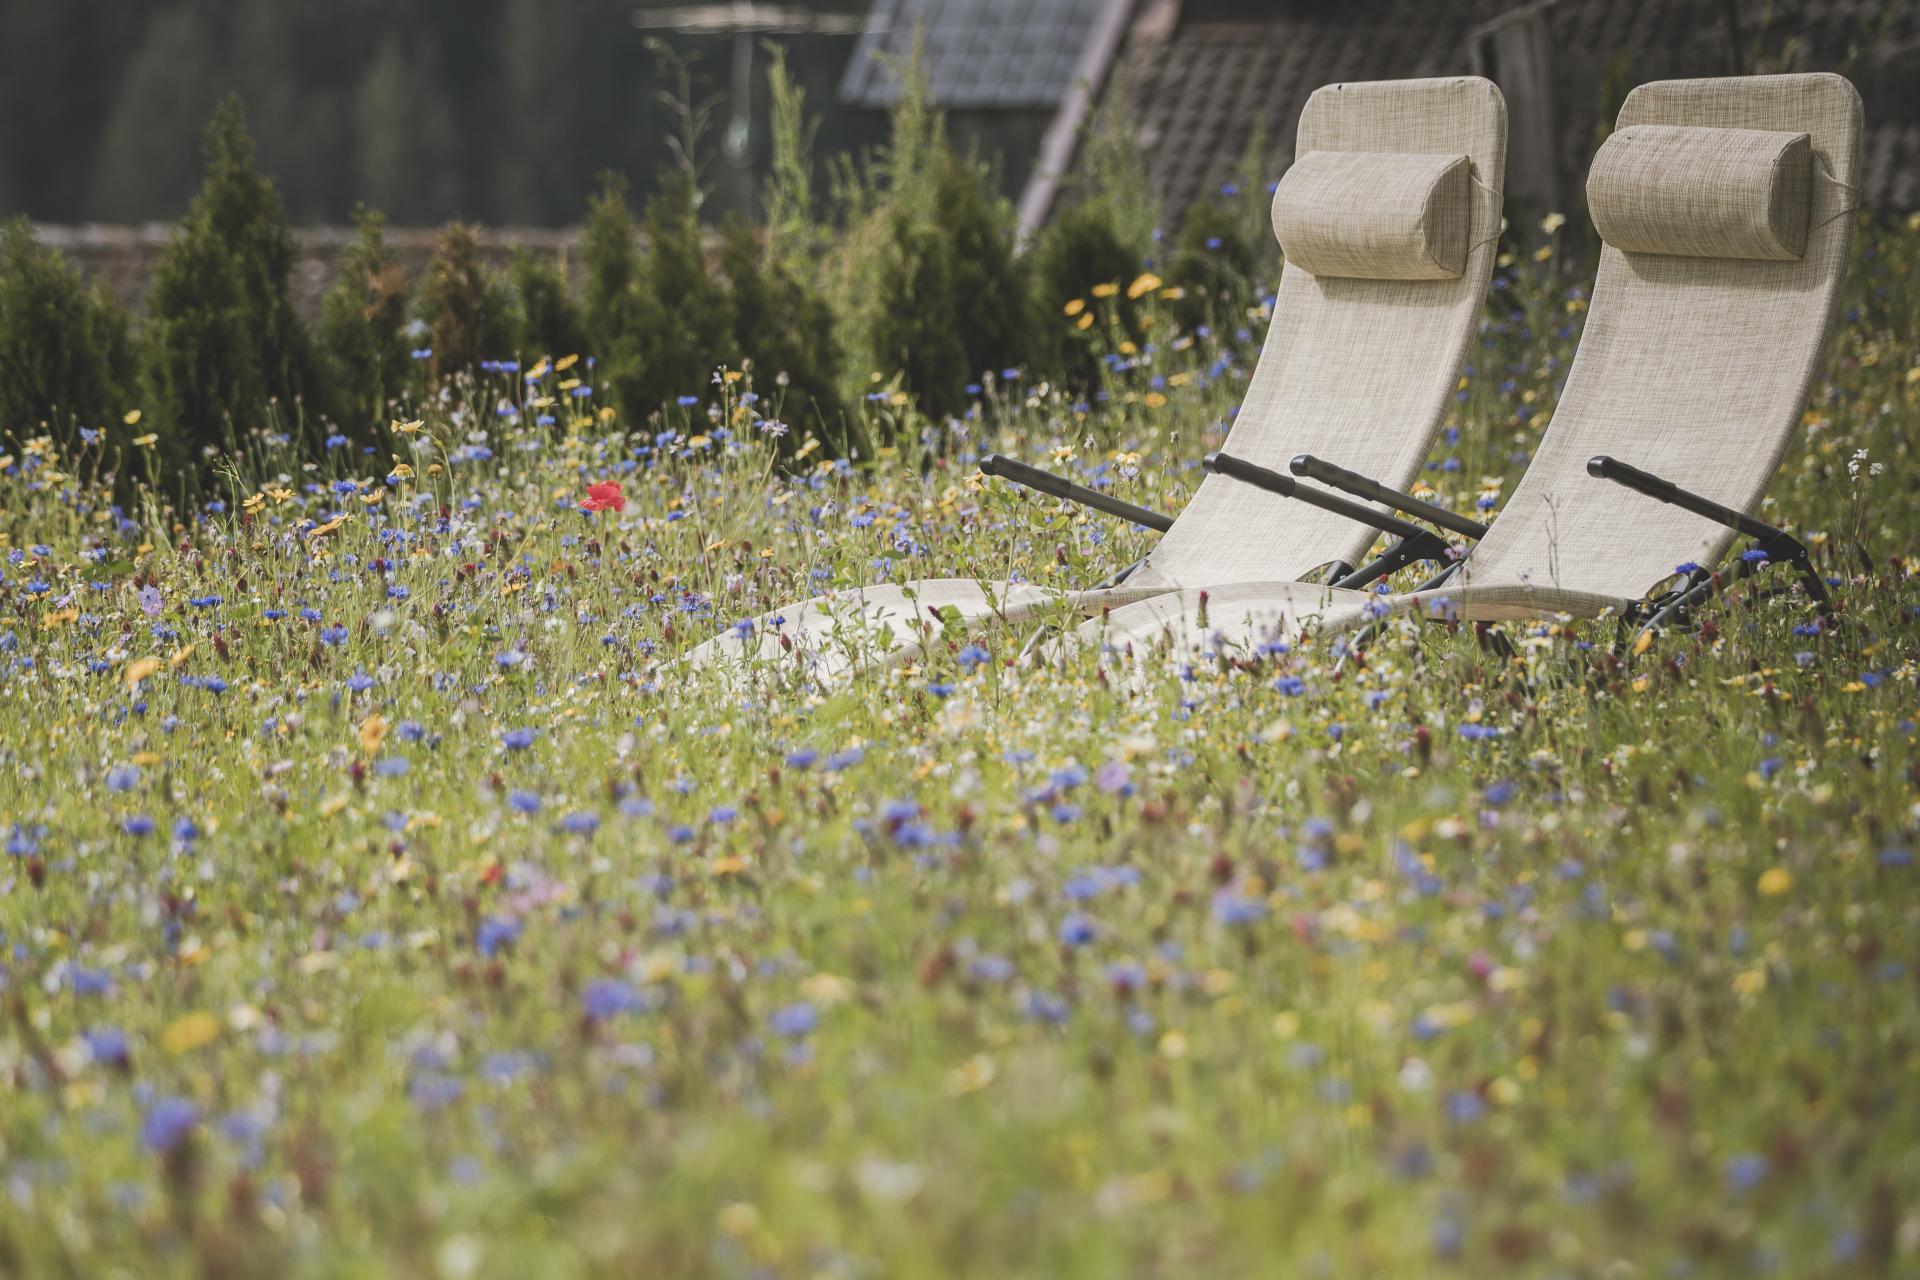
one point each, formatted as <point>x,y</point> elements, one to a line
<point>1702,193</point>
<point>1375,215</point>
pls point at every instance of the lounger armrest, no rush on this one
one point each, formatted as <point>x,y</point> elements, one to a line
<point>1225,464</point>
<point>1776,545</point>
<point>1046,482</point>
<point>1373,491</point>
<point>1606,468</point>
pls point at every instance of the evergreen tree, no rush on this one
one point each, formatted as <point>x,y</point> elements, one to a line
<point>360,333</point>
<point>549,322</point>
<point>65,353</point>
<point>1079,249</point>
<point>615,311</point>
<point>992,309</point>
<point>913,332</point>
<point>224,339</point>
<point>784,327</point>
<point>468,310</point>
<point>1214,263</point>
<point>692,324</point>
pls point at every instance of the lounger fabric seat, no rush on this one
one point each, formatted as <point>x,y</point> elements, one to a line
<point>1693,367</point>
<point>1356,367</point>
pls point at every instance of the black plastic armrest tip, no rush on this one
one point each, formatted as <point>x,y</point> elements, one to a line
<point>1598,467</point>
<point>991,464</point>
<point>1301,464</point>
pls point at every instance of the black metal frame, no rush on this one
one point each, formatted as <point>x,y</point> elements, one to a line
<point>995,464</point>
<point>1776,545</point>
<point>1414,542</point>
<point>1373,491</point>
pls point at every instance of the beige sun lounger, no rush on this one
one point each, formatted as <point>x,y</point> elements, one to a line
<point>1724,207</point>
<point>1388,218</point>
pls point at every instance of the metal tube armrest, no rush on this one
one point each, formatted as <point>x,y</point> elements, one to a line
<point>1606,468</point>
<point>1776,544</point>
<point>1046,482</point>
<point>1373,491</point>
<point>1259,477</point>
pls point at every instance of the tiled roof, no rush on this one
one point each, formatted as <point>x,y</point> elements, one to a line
<point>977,54</point>
<point>1194,97</point>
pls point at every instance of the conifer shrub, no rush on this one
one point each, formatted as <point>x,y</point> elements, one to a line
<point>225,348</point>
<point>992,307</point>
<point>1214,265</point>
<point>361,333</point>
<point>927,263</point>
<point>549,321</point>
<point>913,333</point>
<point>1079,257</point>
<point>468,309</point>
<point>689,315</point>
<point>783,333</point>
<point>66,358</point>
<point>614,308</point>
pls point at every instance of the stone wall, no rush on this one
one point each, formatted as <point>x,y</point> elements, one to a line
<point>123,257</point>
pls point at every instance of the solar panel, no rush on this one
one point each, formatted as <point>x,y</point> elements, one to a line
<point>1007,54</point>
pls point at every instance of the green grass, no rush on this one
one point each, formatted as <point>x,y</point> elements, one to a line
<point>1044,976</point>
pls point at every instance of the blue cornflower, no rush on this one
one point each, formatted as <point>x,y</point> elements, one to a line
<point>124,777</point>
<point>795,1020</point>
<point>167,1124</point>
<point>1291,686</point>
<point>608,997</point>
<point>108,1045</point>
<point>518,739</point>
<point>496,934</point>
<point>1078,929</point>
<point>1232,909</point>
<point>1745,1172</point>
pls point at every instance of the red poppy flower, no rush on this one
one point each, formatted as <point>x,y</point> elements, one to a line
<point>604,497</point>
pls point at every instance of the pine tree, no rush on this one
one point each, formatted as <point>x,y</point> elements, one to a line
<point>224,341</point>
<point>691,322</point>
<point>360,333</point>
<point>65,355</point>
<point>1079,249</point>
<point>784,328</point>
<point>615,311</point>
<point>992,308</point>
<point>468,310</point>
<point>549,322</point>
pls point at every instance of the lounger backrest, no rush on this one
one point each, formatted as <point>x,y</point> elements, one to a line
<point>1389,218</point>
<point>1726,210</point>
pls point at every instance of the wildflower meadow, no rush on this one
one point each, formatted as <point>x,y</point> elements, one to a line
<point>382,896</point>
